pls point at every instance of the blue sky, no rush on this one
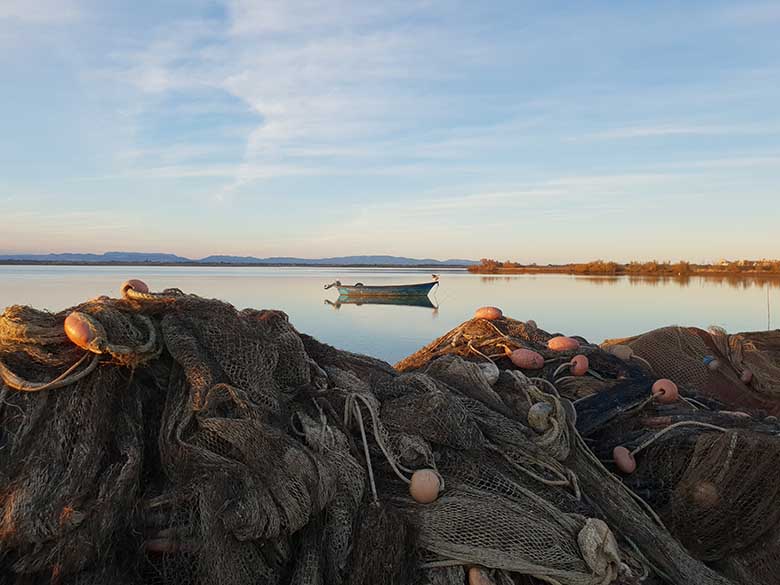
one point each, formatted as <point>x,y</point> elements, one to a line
<point>532,131</point>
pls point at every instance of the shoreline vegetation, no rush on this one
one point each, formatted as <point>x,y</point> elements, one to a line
<point>746,268</point>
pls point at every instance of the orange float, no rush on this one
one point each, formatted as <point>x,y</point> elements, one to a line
<point>562,343</point>
<point>579,365</point>
<point>624,460</point>
<point>490,313</point>
<point>527,359</point>
<point>79,330</point>
<point>425,485</point>
<point>665,391</point>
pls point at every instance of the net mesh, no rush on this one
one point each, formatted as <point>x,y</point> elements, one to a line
<point>201,444</point>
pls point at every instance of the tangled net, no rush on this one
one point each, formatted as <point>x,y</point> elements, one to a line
<point>173,439</point>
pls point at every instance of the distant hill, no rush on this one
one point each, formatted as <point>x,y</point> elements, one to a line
<point>157,258</point>
<point>337,261</point>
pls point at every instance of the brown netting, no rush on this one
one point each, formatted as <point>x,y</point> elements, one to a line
<point>681,354</point>
<point>199,444</point>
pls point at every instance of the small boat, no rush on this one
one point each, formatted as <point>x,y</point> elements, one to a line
<point>396,290</point>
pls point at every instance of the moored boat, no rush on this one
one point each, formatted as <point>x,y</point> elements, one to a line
<point>396,290</point>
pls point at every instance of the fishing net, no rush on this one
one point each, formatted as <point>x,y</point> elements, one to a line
<point>179,440</point>
<point>713,362</point>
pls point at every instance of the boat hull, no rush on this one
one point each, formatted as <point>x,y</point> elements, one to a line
<point>401,290</point>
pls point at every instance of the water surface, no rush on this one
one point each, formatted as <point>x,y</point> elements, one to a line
<point>594,307</point>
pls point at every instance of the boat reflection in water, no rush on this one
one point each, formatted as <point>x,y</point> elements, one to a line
<point>408,301</point>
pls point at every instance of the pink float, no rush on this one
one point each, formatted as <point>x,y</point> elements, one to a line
<point>665,391</point>
<point>78,330</point>
<point>489,313</point>
<point>624,460</point>
<point>527,359</point>
<point>562,343</point>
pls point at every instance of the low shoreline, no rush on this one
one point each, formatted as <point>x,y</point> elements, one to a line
<point>648,274</point>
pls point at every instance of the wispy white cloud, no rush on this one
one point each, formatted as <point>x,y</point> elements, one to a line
<point>628,132</point>
<point>39,11</point>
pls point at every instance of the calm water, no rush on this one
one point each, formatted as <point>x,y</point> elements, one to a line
<point>596,308</point>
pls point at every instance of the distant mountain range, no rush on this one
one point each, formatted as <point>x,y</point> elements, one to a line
<point>154,258</point>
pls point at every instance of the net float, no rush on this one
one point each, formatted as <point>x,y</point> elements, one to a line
<point>562,343</point>
<point>133,284</point>
<point>425,486</point>
<point>624,459</point>
<point>539,416</point>
<point>623,352</point>
<point>479,576</point>
<point>531,323</point>
<point>711,362</point>
<point>527,359</point>
<point>746,376</point>
<point>665,391</point>
<point>705,494</point>
<point>490,371</point>
<point>79,330</point>
<point>489,313</point>
<point>579,365</point>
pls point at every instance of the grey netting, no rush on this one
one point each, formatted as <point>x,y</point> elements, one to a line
<point>192,443</point>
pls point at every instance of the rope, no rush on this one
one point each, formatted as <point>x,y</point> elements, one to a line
<point>644,361</point>
<point>560,368</point>
<point>563,482</point>
<point>67,378</point>
<point>359,417</point>
<point>659,434</point>
<point>100,344</point>
<point>550,384</point>
<point>475,350</point>
<point>350,407</point>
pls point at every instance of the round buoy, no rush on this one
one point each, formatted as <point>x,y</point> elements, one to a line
<point>665,391</point>
<point>478,576</point>
<point>539,416</point>
<point>425,486</point>
<point>562,343</point>
<point>711,362</point>
<point>78,329</point>
<point>490,371</point>
<point>623,352</point>
<point>746,376</point>
<point>579,365</point>
<point>705,494</point>
<point>624,459</point>
<point>527,359</point>
<point>489,313</point>
<point>531,323</point>
<point>133,284</point>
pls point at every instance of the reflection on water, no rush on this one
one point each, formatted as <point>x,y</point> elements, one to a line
<point>732,280</point>
<point>409,301</point>
<point>594,307</point>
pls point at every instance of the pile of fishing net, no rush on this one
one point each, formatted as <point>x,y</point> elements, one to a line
<point>166,438</point>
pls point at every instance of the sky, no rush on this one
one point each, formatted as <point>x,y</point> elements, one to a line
<point>532,131</point>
